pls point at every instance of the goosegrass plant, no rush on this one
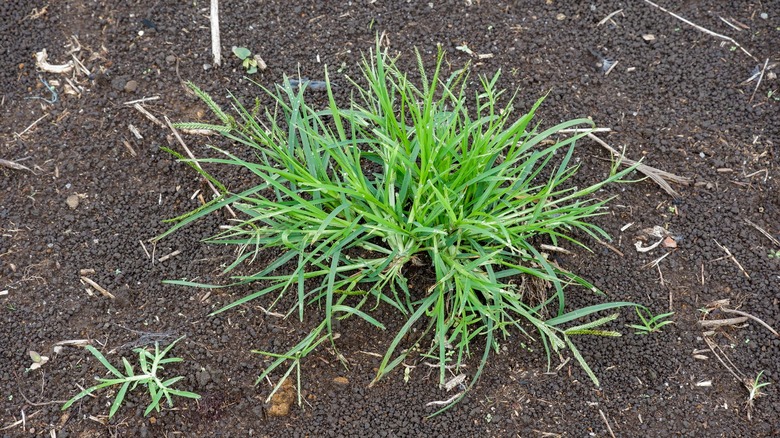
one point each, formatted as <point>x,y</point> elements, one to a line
<point>150,364</point>
<point>409,173</point>
<point>650,323</point>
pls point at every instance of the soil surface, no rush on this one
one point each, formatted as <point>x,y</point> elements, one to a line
<point>98,187</point>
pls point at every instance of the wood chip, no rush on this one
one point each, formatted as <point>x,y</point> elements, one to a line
<point>721,322</point>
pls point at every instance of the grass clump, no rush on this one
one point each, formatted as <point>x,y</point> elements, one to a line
<point>409,174</point>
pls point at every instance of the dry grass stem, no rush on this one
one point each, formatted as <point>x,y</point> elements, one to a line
<point>760,78</point>
<point>659,176</point>
<point>764,232</point>
<point>609,428</point>
<point>97,287</point>
<point>148,115</point>
<point>32,125</point>
<point>754,318</point>
<point>216,48</point>
<point>610,247</point>
<point>167,256</point>
<point>195,161</point>
<point>608,17</point>
<point>715,323</point>
<point>13,165</point>
<point>142,100</point>
<point>702,29</point>
<point>733,259</point>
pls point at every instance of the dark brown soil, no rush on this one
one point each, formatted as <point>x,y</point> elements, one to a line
<point>678,101</point>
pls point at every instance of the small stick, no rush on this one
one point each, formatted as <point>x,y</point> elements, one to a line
<point>615,250</point>
<point>149,115</point>
<point>142,100</point>
<point>729,24</point>
<point>609,429</point>
<point>22,421</point>
<point>444,402</point>
<point>714,323</point>
<point>733,259</point>
<point>215,44</point>
<point>605,19</point>
<point>606,73</point>
<point>747,315</point>
<point>656,261</point>
<point>657,175</point>
<point>167,256</point>
<point>764,232</point>
<point>97,287</point>
<point>192,157</point>
<point>129,148</point>
<point>578,130</point>
<point>759,80</point>
<point>135,132</point>
<point>144,247</point>
<point>708,32</point>
<point>661,278</point>
<point>32,124</point>
<point>555,248</point>
<point>733,371</point>
<point>14,165</point>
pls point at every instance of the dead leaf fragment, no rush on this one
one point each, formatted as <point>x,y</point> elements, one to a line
<point>341,381</point>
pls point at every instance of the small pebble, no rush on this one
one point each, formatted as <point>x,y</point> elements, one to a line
<point>170,59</point>
<point>72,201</point>
<point>131,86</point>
<point>764,15</point>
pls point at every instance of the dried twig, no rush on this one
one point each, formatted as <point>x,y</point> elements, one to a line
<point>216,49</point>
<point>714,323</point>
<point>609,429</point>
<point>754,318</point>
<point>659,176</point>
<point>22,421</point>
<point>763,70</point>
<point>31,125</point>
<point>148,115</point>
<point>764,232</point>
<point>142,100</point>
<point>444,402</point>
<point>610,247</point>
<point>13,165</point>
<point>729,255</point>
<point>167,256</point>
<point>97,287</point>
<point>608,17</point>
<point>707,31</point>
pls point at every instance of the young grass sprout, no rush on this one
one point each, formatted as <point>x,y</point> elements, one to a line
<point>355,197</point>
<point>150,363</point>
<point>754,392</point>
<point>650,323</point>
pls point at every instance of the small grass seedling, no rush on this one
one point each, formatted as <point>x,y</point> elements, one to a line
<point>151,364</point>
<point>249,62</point>
<point>754,389</point>
<point>650,323</point>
